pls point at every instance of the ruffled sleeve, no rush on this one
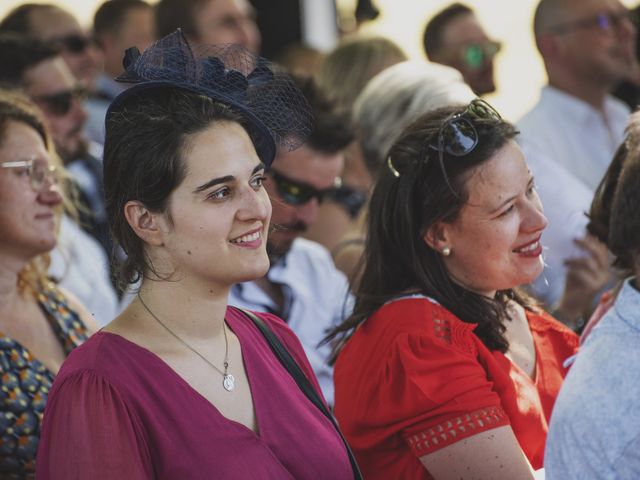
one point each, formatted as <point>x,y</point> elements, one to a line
<point>90,432</point>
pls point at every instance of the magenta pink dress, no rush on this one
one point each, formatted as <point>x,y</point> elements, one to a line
<point>117,411</point>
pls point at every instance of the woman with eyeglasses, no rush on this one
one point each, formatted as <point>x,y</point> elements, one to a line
<point>181,386</point>
<point>445,370</point>
<point>39,323</point>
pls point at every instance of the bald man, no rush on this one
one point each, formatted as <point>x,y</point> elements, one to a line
<point>588,47</point>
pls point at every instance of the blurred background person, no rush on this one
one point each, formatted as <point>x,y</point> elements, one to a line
<point>117,25</point>
<point>40,323</point>
<point>595,424</point>
<point>302,285</point>
<point>342,76</point>
<point>445,369</point>
<point>39,71</point>
<point>587,49</point>
<point>57,28</point>
<point>210,22</point>
<point>455,37</point>
<point>390,101</point>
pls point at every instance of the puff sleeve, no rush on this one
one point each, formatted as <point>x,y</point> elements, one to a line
<point>89,432</point>
<point>445,392</point>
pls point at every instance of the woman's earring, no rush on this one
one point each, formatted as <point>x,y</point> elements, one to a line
<point>446,251</point>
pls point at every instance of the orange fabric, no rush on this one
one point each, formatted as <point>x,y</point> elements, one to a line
<point>414,379</point>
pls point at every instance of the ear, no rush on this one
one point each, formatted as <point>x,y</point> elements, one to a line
<point>144,223</point>
<point>437,236</point>
<point>548,45</point>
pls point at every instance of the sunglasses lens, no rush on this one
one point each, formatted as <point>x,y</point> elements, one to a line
<point>474,56</point>
<point>481,109</point>
<point>75,43</point>
<point>60,104</point>
<point>459,137</point>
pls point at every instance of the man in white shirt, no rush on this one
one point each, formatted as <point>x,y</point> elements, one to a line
<point>303,286</point>
<point>588,47</point>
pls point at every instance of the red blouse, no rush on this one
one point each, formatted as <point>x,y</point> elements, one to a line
<point>414,378</point>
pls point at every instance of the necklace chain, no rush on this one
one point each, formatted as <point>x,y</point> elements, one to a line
<point>228,381</point>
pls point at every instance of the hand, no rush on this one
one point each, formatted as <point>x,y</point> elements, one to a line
<point>586,276</point>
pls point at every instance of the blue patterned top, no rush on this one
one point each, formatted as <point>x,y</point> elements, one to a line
<point>25,386</point>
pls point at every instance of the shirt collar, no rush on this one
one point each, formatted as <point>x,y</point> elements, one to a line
<point>627,304</point>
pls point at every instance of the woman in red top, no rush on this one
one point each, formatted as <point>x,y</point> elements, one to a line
<point>446,370</point>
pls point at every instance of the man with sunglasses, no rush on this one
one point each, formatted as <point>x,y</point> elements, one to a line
<point>588,47</point>
<point>303,285</point>
<point>455,37</point>
<point>40,71</point>
<point>60,29</point>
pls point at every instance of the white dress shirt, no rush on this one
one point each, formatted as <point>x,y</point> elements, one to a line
<point>575,135</point>
<point>316,299</point>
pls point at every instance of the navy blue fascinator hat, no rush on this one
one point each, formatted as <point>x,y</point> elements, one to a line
<point>276,112</point>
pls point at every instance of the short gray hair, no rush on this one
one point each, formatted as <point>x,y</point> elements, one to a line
<point>397,96</point>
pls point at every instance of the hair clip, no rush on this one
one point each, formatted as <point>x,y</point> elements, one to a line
<point>395,172</point>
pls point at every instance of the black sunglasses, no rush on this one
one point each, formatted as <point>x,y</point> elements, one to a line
<point>457,136</point>
<point>299,193</point>
<point>74,43</point>
<point>60,103</point>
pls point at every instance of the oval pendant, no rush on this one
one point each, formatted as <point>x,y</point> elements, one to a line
<point>228,382</point>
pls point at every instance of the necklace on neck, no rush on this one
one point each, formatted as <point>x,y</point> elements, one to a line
<point>228,380</point>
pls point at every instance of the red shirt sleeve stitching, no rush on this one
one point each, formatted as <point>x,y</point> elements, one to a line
<point>432,438</point>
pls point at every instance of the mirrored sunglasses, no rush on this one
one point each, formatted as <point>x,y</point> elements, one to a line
<point>475,55</point>
<point>38,171</point>
<point>74,43</point>
<point>60,103</point>
<point>298,193</point>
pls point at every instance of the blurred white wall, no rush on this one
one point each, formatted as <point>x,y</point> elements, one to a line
<point>520,73</point>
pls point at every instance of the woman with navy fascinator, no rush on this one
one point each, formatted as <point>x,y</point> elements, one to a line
<point>181,386</point>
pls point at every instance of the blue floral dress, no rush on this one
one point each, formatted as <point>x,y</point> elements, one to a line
<point>25,386</point>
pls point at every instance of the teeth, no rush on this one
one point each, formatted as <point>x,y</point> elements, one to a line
<point>530,248</point>
<point>247,238</point>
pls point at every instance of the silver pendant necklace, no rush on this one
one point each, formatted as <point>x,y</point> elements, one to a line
<point>228,380</point>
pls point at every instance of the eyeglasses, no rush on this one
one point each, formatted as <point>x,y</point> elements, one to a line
<point>74,43</point>
<point>298,193</point>
<point>605,22</point>
<point>60,103</point>
<point>37,170</point>
<point>475,55</point>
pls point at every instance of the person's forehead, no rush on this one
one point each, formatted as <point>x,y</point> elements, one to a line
<point>463,29</point>
<point>228,7</point>
<point>584,8</point>
<point>48,23</point>
<point>309,166</point>
<point>49,77</point>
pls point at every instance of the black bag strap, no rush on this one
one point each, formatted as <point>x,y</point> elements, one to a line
<point>301,379</point>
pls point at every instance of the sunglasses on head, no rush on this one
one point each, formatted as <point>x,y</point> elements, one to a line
<point>298,193</point>
<point>60,103</point>
<point>38,172</point>
<point>475,55</point>
<point>606,22</point>
<point>458,135</point>
<point>74,43</point>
